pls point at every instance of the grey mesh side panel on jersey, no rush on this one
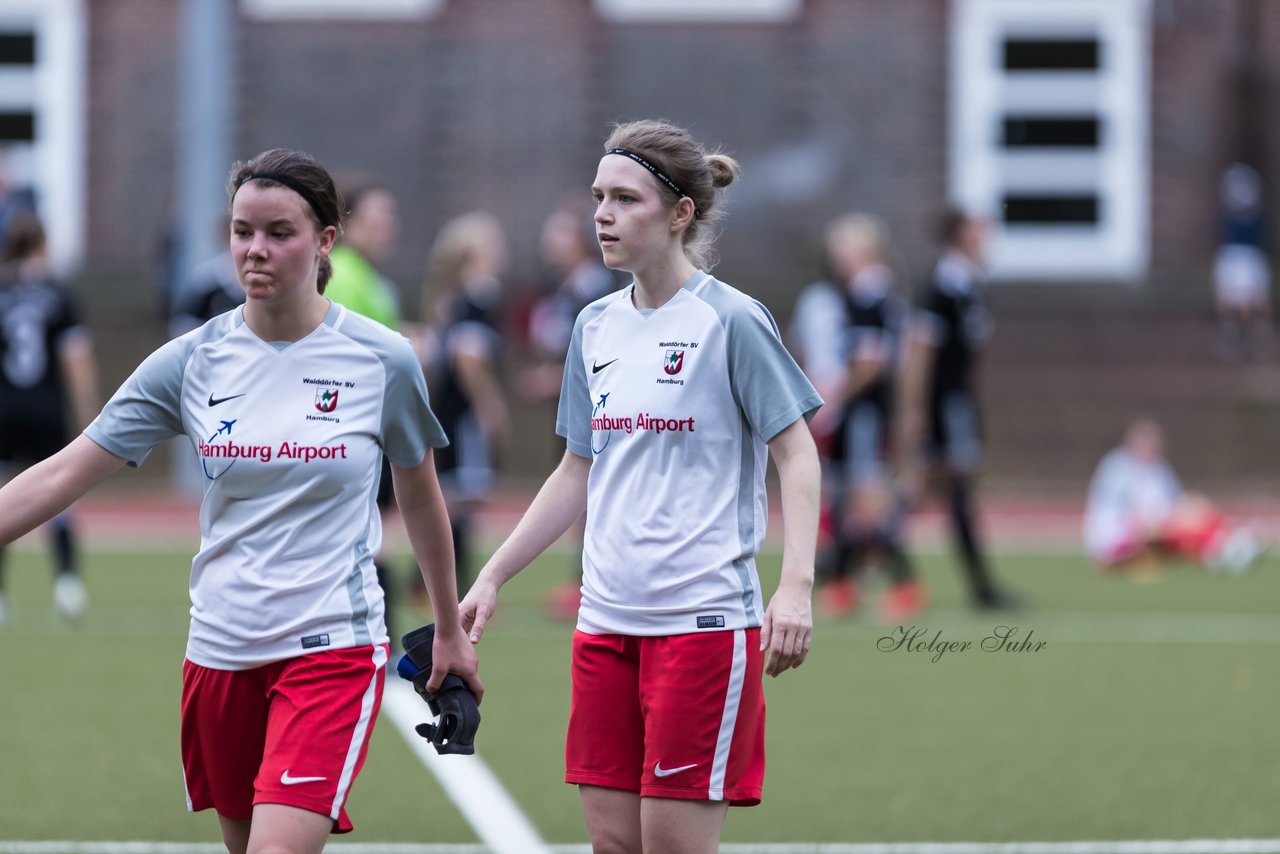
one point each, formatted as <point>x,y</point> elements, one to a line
<point>359,603</point>
<point>573,415</point>
<point>746,521</point>
<point>409,427</point>
<point>766,381</point>
<point>146,409</point>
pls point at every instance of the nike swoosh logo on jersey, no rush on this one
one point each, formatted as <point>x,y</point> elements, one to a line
<point>595,369</point>
<point>214,401</point>
<point>293,781</point>
<point>659,771</point>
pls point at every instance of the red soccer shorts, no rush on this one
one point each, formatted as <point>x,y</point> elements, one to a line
<point>292,732</point>
<point>680,716</point>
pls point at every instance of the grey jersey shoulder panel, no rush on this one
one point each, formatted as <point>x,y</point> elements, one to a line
<point>146,409</point>
<point>573,416</point>
<point>766,381</point>
<point>409,427</point>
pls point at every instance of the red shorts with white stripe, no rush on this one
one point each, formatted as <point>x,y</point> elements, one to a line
<point>293,732</point>
<point>680,716</point>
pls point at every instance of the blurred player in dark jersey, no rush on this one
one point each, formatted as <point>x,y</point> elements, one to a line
<point>867,512</point>
<point>48,379</point>
<point>942,426</point>
<point>464,297</point>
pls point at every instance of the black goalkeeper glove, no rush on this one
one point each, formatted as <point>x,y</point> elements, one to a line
<point>454,706</point>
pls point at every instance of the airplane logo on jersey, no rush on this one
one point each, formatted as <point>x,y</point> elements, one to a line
<point>673,362</point>
<point>608,434</point>
<point>204,457</point>
<point>326,399</point>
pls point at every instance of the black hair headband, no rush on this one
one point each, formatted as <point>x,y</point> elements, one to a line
<point>292,184</point>
<point>657,173</point>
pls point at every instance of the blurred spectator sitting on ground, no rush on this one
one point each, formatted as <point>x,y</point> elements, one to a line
<point>1242,269</point>
<point>1138,514</point>
<point>48,383</point>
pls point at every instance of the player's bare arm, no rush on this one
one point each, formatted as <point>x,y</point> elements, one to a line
<point>788,621</point>
<point>559,503</point>
<point>51,486</point>
<point>427,523</point>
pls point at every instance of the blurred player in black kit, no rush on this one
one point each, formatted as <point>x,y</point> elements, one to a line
<point>46,367</point>
<point>868,513</point>
<point>941,424</point>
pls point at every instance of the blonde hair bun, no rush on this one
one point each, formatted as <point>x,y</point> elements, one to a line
<point>724,170</point>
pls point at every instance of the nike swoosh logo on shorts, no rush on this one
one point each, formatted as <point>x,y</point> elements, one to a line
<point>293,781</point>
<point>595,369</point>
<point>214,401</point>
<point>659,771</point>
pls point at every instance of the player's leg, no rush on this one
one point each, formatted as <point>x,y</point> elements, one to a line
<point>235,833</point>
<point>682,827</point>
<point>838,592</point>
<point>224,714</point>
<point>323,707</point>
<point>70,598</point>
<point>604,745</point>
<point>281,829</point>
<point>838,589</point>
<point>704,735</point>
<point>613,820</point>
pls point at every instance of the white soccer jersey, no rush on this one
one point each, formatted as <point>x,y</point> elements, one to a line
<point>674,407</point>
<point>1127,495</point>
<point>289,437</point>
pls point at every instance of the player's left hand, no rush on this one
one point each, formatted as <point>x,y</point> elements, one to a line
<point>788,628</point>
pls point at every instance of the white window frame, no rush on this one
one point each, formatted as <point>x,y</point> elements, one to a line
<point>1118,171</point>
<point>54,90</point>
<point>341,9</point>
<point>637,11</point>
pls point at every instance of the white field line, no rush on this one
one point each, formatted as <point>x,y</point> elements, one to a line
<point>467,781</point>
<point>1128,846</point>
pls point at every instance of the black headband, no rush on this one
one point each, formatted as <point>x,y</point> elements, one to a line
<point>657,173</point>
<point>292,184</point>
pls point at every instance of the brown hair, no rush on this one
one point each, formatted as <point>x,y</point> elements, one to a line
<point>300,172</point>
<point>697,172</point>
<point>454,249</point>
<point>951,225</point>
<point>24,237</point>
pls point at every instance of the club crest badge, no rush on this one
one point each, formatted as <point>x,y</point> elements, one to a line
<point>673,362</point>
<point>326,399</point>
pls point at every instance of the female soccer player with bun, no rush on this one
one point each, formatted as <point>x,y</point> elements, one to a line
<point>290,403</point>
<point>677,389</point>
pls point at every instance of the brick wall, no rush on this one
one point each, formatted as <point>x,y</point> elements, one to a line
<point>132,109</point>
<point>502,105</point>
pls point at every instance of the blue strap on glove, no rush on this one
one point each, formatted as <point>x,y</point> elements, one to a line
<point>455,708</point>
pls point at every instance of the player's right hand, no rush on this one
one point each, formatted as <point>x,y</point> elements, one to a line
<point>476,608</point>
